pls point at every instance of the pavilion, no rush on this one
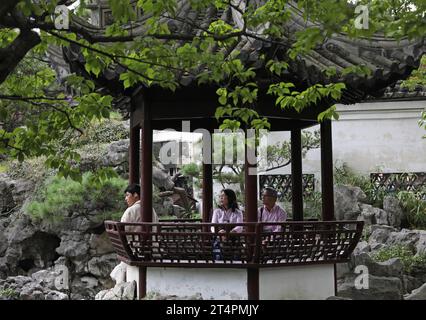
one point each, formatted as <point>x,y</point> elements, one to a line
<point>297,263</point>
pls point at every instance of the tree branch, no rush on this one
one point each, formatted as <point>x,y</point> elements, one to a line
<point>280,166</point>
<point>116,57</point>
<point>11,55</point>
<point>58,110</point>
<point>27,99</point>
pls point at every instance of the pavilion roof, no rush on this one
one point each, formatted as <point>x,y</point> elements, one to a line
<point>388,59</point>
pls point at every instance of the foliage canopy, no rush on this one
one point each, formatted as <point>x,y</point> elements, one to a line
<point>35,113</point>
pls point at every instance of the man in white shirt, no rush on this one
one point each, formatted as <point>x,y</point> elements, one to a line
<point>132,214</point>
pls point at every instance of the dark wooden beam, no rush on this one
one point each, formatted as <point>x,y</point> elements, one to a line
<point>327,171</point>
<point>296,175</point>
<point>210,123</point>
<point>201,102</point>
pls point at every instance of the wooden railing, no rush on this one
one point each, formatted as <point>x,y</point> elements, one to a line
<point>202,245</point>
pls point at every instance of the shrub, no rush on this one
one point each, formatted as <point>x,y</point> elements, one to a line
<point>312,206</point>
<point>60,197</point>
<point>403,252</point>
<point>9,294</point>
<point>344,175</point>
<point>191,170</point>
<point>414,207</point>
<point>98,132</point>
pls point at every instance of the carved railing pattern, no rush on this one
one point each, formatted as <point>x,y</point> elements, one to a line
<point>202,245</point>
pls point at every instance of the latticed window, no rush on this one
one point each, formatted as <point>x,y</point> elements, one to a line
<point>395,182</point>
<point>282,183</point>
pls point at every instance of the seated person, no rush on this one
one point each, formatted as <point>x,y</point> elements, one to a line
<point>228,211</point>
<point>270,211</point>
<point>133,211</point>
<point>132,214</point>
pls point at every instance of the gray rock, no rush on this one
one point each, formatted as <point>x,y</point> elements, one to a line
<point>21,229</point>
<point>45,278</point>
<point>417,294</point>
<point>26,292</point>
<point>73,245</point>
<point>404,237</point>
<point>129,291</point>
<point>421,243</point>
<point>20,189</point>
<point>6,198</point>
<point>379,288</point>
<point>56,295</point>
<point>84,288</point>
<point>394,211</point>
<point>342,269</point>
<point>162,179</point>
<point>37,295</point>
<point>19,281</point>
<point>410,283</point>
<point>157,296</point>
<point>375,246</point>
<point>367,215</point>
<point>381,216</point>
<point>338,298</point>
<point>121,291</point>
<point>102,266</point>
<point>390,268</point>
<point>117,153</point>
<point>177,210</point>
<point>419,272</point>
<point>346,202</point>
<point>380,234</point>
<point>100,244</point>
<point>101,294</point>
<point>3,241</point>
<point>362,246</point>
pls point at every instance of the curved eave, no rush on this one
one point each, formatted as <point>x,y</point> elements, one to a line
<point>389,60</point>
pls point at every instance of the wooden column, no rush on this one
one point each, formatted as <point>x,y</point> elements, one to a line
<point>134,150</point>
<point>207,190</point>
<point>250,185</point>
<point>146,166</point>
<point>146,181</point>
<point>296,175</point>
<point>207,183</point>
<point>253,284</point>
<point>327,171</point>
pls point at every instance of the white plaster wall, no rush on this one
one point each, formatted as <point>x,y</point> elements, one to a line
<point>132,274</point>
<point>223,284</point>
<point>381,137</point>
<point>371,137</point>
<point>310,282</point>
